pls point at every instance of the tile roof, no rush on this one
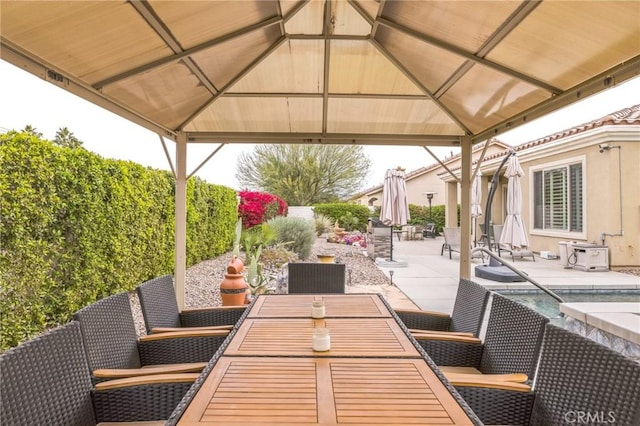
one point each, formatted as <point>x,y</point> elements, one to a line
<point>623,117</point>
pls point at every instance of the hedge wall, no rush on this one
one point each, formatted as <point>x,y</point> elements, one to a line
<point>343,212</point>
<point>75,227</point>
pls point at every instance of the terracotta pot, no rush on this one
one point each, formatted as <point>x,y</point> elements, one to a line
<point>235,266</point>
<point>233,289</point>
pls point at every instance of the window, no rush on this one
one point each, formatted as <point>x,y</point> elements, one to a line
<point>558,198</point>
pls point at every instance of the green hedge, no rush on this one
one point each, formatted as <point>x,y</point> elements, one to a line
<point>420,215</point>
<point>75,227</point>
<point>344,214</point>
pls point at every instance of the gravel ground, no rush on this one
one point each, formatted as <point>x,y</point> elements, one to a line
<point>201,286</point>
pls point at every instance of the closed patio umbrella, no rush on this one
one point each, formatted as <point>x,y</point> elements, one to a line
<point>513,232</point>
<point>476,199</point>
<point>395,206</point>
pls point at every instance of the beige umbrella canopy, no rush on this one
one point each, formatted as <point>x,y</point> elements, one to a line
<point>395,206</point>
<point>514,232</point>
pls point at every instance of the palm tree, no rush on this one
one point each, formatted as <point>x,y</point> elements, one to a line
<point>66,138</point>
<point>31,130</point>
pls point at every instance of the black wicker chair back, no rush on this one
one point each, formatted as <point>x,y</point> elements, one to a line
<point>158,303</point>
<point>469,307</point>
<point>513,338</point>
<point>468,311</point>
<point>46,381</point>
<point>579,377</point>
<point>160,309</point>
<point>316,278</point>
<point>109,333</point>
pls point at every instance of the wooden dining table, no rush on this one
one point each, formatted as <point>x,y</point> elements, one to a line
<point>268,373</point>
<point>336,306</point>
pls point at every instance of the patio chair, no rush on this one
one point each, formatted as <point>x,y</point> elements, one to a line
<point>114,351</point>
<point>429,231</point>
<point>161,313</point>
<point>316,278</point>
<point>511,344</point>
<point>46,381</point>
<point>466,318</point>
<point>416,232</point>
<point>576,376</point>
<point>452,243</point>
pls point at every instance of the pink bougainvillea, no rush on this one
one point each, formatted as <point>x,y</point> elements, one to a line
<point>258,207</point>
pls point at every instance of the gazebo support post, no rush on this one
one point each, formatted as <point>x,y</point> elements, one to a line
<point>180,267</point>
<point>465,207</point>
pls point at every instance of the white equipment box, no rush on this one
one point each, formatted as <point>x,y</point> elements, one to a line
<point>547,255</point>
<point>590,257</point>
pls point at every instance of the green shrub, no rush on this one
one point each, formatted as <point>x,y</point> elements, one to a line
<point>75,227</point>
<point>275,256</point>
<point>355,215</point>
<point>322,223</point>
<point>296,232</point>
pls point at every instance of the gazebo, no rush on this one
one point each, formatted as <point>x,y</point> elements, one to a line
<point>377,72</point>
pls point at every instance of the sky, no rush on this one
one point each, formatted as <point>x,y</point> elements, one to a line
<point>29,100</point>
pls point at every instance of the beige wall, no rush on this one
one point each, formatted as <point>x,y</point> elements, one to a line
<point>601,197</point>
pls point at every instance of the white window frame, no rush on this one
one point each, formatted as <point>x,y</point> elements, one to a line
<point>582,159</point>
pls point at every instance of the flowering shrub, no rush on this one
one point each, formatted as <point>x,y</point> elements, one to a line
<point>258,207</point>
<point>354,239</point>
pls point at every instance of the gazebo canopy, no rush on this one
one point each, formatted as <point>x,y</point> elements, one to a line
<point>423,73</point>
<point>336,71</point>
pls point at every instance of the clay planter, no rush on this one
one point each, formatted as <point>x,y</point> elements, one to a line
<point>235,266</point>
<point>233,290</point>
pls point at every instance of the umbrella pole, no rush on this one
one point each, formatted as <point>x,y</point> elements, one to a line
<point>475,232</point>
<point>391,245</point>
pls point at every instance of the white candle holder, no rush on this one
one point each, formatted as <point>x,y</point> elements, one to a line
<point>321,339</point>
<point>317,309</point>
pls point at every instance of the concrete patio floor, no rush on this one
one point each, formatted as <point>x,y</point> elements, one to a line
<point>431,280</point>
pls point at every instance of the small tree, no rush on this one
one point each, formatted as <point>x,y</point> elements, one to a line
<point>305,174</point>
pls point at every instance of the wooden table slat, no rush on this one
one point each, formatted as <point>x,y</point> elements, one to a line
<point>336,305</point>
<point>375,337</point>
<point>332,399</point>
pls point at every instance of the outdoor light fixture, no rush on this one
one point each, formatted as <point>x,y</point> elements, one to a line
<point>430,198</point>
<point>606,147</point>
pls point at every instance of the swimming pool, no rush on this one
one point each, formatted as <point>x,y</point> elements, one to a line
<point>549,307</point>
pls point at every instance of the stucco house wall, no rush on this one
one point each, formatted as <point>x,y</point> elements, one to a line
<point>610,185</point>
<point>611,193</point>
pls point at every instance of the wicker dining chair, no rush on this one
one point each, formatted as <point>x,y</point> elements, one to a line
<point>316,278</point>
<point>468,311</point>
<point>161,312</point>
<point>114,350</point>
<point>576,377</point>
<point>46,381</point>
<point>511,342</point>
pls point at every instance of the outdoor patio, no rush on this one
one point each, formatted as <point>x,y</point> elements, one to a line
<point>430,280</point>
